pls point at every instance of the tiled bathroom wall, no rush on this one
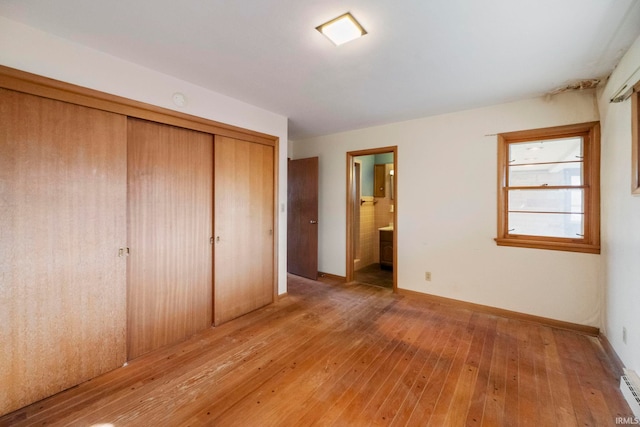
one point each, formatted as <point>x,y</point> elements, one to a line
<point>383,212</point>
<point>368,232</point>
<point>374,214</point>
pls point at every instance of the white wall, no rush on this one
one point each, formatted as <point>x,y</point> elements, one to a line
<point>446,210</point>
<point>620,217</point>
<point>31,50</point>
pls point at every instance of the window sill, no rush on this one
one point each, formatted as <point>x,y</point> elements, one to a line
<point>550,245</point>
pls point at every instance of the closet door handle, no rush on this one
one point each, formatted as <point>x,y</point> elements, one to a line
<point>313,222</point>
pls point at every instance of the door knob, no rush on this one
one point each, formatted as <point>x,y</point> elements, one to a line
<point>313,222</point>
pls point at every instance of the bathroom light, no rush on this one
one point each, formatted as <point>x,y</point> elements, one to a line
<point>342,29</point>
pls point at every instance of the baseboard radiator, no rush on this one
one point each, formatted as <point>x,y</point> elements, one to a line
<point>630,387</point>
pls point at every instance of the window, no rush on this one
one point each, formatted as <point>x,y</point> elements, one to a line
<point>635,141</point>
<point>549,188</point>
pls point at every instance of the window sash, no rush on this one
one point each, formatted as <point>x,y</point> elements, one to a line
<point>635,139</point>
<point>581,211</point>
<point>546,174</point>
<point>547,224</point>
<point>546,200</point>
<point>546,150</point>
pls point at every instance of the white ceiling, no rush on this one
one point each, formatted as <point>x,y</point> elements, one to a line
<point>419,58</point>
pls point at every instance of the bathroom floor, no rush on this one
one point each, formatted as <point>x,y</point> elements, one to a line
<point>374,275</point>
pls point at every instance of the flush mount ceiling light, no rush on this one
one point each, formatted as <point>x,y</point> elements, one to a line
<point>342,29</point>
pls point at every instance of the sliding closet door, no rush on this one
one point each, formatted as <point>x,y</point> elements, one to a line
<point>170,194</point>
<point>62,222</point>
<point>243,227</point>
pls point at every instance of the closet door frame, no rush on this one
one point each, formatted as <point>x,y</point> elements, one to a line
<point>22,81</point>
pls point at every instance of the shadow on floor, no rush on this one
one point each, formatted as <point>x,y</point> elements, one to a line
<point>373,274</point>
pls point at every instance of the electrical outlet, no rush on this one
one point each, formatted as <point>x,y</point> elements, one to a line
<point>427,276</point>
<point>624,335</point>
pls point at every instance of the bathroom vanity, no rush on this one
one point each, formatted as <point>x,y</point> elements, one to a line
<point>386,247</point>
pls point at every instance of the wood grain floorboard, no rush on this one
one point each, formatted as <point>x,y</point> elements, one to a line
<point>335,354</point>
<point>403,390</point>
<point>308,370</point>
<point>345,378</point>
<point>414,395</point>
<point>476,405</point>
<point>494,396</point>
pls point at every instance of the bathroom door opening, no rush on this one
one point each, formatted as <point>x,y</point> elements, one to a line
<point>372,206</point>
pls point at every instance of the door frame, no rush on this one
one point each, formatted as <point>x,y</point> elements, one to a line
<point>351,155</point>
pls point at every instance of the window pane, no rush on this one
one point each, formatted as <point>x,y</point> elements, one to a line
<point>547,200</point>
<point>548,188</point>
<point>550,225</point>
<point>545,151</point>
<point>547,174</point>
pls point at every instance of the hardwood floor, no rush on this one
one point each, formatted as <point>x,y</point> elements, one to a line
<point>374,275</point>
<point>336,354</point>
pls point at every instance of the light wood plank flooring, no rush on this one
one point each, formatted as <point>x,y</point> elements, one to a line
<point>351,355</point>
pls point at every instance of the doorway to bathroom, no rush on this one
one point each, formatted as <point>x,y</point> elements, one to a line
<point>372,205</point>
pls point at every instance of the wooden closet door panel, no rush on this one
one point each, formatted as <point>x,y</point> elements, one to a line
<point>263,190</point>
<point>244,196</point>
<point>62,221</point>
<point>170,195</point>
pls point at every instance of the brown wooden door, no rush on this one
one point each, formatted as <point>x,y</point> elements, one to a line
<point>62,221</point>
<point>379,178</point>
<point>244,221</point>
<point>302,218</point>
<point>170,226</point>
